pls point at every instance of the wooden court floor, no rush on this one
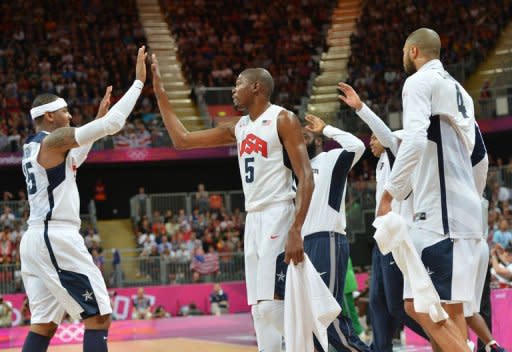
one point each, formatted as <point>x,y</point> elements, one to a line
<point>160,345</point>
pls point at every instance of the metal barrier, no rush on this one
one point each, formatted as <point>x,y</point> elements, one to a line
<point>162,202</point>
<point>158,270</point>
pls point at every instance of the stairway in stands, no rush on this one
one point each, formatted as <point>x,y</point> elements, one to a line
<point>496,68</point>
<point>333,65</point>
<point>119,234</point>
<point>162,43</point>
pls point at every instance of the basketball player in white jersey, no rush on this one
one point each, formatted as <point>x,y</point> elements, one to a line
<point>325,240</point>
<point>435,158</point>
<point>387,285</point>
<point>58,272</point>
<point>269,143</point>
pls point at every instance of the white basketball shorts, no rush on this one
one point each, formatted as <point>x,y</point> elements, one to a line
<point>60,276</point>
<point>266,232</point>
<point>470,308</point>
<point>451,264</point>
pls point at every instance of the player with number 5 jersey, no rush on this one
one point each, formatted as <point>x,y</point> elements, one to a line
<point>270,144</point>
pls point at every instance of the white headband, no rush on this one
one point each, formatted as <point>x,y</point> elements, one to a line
<point>50,107</point>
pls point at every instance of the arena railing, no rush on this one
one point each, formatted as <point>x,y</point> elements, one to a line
<point>158,270</point>
<point>162,202</point>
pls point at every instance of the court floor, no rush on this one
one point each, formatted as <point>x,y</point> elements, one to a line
<point>185,345</point>
<point>160,345</point>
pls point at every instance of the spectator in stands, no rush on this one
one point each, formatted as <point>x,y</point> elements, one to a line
<point>165,245</point>
<point>503,236</point>
<point>116,279</point>
<point>141,306</point>
<point>190,310</point>
<point>7,218</point>
<point>201,199</point>
<point>207,265</point>
<point>143,136</point>
<point>161,312</point>
<point>142,203</point>
<point>6,247</point>
<point>215,202</point>
<point>98,259</point>
<point>127,138</point>
<point>5,313</point>
<point>501,260</point>
<point>218,301</point>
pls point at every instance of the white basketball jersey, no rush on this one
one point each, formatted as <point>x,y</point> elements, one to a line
<point>264,165</point>
<point>437,107</point>
<point>52,193</point>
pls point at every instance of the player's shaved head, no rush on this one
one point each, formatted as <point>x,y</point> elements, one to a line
<point>427,41</point>
<point>261,76</point>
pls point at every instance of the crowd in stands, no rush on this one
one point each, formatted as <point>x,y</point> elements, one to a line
<point>468,30</point>
<point>204,240</point>
<point>217,40</point>
<point>75,52</point>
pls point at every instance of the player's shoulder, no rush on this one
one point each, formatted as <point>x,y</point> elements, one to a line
<point>36,138</point>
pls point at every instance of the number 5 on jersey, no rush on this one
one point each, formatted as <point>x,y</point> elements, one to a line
<point>30,178</point>
<point>249,170</point>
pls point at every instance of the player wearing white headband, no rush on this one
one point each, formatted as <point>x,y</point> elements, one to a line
<point>58,272</point>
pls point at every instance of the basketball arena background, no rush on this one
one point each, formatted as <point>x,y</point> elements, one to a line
<point>137,189</point>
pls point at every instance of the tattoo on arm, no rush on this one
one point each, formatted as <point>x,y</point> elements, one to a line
<point>62,139</point>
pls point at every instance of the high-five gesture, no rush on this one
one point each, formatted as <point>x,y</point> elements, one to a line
<point>140,68</point>
<point>105,103</point>
<point>350,96</point>
<point>157,78</point>
<point>315,124</point>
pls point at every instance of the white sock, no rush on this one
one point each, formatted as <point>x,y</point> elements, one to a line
<point>471,345</point>
<point>267,336</point>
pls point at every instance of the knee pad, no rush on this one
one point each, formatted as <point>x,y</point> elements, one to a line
<point>267,336</point>
<point>273,313</point>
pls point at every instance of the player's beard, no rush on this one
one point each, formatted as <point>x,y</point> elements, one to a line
<point>311,147</point>
<point>409,66</point>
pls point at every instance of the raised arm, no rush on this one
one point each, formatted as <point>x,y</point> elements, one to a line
<point>378,127</point>
<point>80,153</point>
<point>57,144</point>
<point>416,122</point>
<point>348,141</point>
<point>181,137</point>
<point>289,130</point>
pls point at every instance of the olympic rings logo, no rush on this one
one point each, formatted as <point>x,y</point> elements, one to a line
<point>70,333</point>
<point>137,154</point>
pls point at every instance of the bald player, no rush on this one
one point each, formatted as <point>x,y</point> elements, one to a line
<point>435,159</point>
<point>270,144</point>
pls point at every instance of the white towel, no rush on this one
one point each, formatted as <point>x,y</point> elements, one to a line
<point>392,235</point>
<point>309,307</point>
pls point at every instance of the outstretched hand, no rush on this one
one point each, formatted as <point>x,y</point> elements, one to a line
<point>105,103</point>
<point>315,124</point>
<point>157,78</point>
<point>140,68</point>
<point>350,96</point>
